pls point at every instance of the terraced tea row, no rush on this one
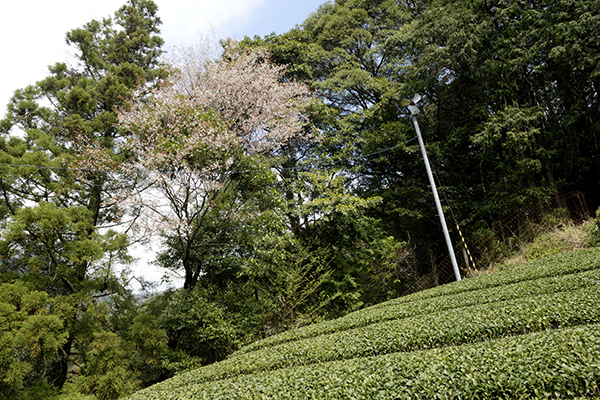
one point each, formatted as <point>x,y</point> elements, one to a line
<point>527,332</point>
<point>551,364</point>
<point>446,328</point>
<point>554,284</point>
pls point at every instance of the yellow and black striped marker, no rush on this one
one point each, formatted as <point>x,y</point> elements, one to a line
<point>466,247</point>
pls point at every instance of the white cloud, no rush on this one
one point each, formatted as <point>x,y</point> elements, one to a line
<point>33,35</point>
<point>33,31</point>
<point>183,20</point>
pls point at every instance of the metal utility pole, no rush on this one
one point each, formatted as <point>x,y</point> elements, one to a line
<point>414,110</point>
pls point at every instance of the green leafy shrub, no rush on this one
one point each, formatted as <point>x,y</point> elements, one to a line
<point>567,238</point>
<point>195,325</point>
<point>549,364</point>
<point>593,231</point>
<point>453,327</point>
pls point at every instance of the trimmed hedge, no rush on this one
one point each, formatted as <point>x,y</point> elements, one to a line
<point>516,334</point>
<point>553,364</point>
<point>432,305</point>
<point>452,327</point>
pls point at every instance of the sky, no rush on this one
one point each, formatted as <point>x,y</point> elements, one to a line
<point>33,37</point>
<point>33,31</point>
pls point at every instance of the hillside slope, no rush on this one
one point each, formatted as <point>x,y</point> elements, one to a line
<point>531,331</point>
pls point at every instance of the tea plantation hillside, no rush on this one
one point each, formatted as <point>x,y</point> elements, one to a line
<point>529,332</point>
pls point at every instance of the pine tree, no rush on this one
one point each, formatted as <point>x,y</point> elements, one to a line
<point>56,227</point>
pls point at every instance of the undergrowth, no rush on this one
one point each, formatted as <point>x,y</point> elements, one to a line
<point>555,234</point>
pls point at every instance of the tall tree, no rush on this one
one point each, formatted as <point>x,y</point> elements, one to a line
<point>510,95</point>
<point>353,54</point>
<point>55,228</point>
<point>514,88</point>
<point>207,140</point>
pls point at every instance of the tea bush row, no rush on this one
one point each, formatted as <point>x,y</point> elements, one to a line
<point>438,330</point>
<point>561,363</point>
<point>553,284</point>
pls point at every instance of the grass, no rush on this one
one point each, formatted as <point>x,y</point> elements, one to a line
<point>554,235</point>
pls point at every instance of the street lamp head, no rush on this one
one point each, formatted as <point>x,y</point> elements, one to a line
<point>412,104</point>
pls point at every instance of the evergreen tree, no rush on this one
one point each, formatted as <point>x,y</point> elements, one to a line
<point>509,109</point>
<point>56,226</point>
<point>514,89</point>
<point>353,54</point>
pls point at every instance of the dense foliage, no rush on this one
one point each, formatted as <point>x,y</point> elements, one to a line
<point>68,320</point>
<point>509,116</point>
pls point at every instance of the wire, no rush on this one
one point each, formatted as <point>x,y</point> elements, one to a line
<point>441,187</point>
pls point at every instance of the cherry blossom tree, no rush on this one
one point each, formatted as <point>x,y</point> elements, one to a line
<point>203,144</point>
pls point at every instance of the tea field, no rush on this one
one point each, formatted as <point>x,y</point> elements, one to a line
<point>529,332</point>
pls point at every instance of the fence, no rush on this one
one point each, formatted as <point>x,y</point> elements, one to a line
<point>501,238</point>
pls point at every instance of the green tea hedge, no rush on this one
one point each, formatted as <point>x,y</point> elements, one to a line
<point>552,364</point>
<point>432,305</point>
<point>522,333</point>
